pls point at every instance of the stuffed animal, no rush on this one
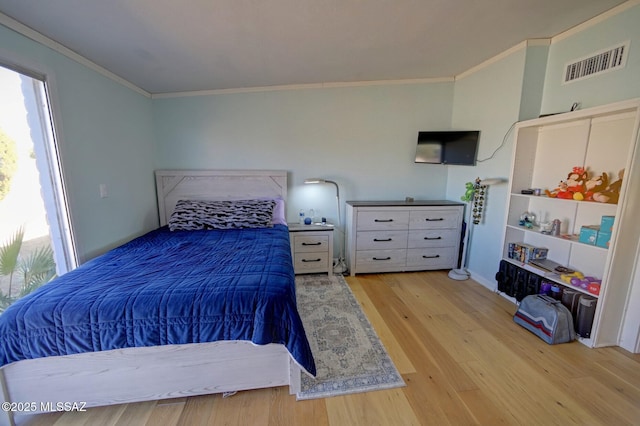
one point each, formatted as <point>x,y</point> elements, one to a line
<point>612,192</point>
<point>595,184</point>
<point>575,183</point>
<point>559,192</point>
<point>468,194</point>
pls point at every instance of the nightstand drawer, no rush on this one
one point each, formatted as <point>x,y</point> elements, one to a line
<point>311,262</point>
<point>311,248</point>
<point>310,243</point>
<point>433,238</point>
<point>435,219</point>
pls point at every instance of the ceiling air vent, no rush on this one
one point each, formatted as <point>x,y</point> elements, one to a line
<point>610,59</point>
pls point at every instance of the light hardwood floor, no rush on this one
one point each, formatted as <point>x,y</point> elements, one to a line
<point>463,359</point>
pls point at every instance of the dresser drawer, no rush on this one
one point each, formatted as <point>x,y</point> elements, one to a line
<point>433,238</point>
<point>310,243</point>
<point>380,260</point>
<point>379,240</point>
<point>311,262</point>
<point>382,219</point>
<point>435,219</point>
<point>432,258</point>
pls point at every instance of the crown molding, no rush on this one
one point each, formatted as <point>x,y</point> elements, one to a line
<point>595,20</point>
<point>310,86</point>
<point>500,56</point>
<point>30,33</point>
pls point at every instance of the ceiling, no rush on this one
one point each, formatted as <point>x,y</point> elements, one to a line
<point>175,46</point>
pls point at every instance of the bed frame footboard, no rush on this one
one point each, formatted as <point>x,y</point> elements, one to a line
<point>6,416</point>
<point>145,374</point>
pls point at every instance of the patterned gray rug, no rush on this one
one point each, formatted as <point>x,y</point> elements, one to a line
<point>349,355</point>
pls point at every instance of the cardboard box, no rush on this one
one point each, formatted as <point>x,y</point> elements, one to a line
<point>515,251</point>
<point>606,223</point>
<point>589,234</point>
<point>602,240</point>
<point>538,253</point>
<point>526,252</point>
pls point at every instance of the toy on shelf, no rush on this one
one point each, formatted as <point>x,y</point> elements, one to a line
<point>611,193</point>
<point>579,187</point>
<point>594,287</point>
<point>576,183</point>
<point>559,191</point>
<point>595,184</point>
<point>572,278</point>
<point>577,279</point>
<point>527,219</point>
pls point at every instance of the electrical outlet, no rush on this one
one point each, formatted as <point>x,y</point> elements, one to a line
<point>103,191</point>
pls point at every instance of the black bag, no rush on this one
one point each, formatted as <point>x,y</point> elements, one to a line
<point>571,299</point>
<point>517,282</point>
<point>520,284</point>
<point>533,283</point>
<point>586,312</point>
<point>505,277</point>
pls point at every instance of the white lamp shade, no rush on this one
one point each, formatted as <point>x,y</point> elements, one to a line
<point>314,180</point>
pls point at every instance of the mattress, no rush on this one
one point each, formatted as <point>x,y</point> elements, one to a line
<point>165,288</point>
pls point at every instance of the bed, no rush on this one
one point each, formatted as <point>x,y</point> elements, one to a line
<point>246,333</point>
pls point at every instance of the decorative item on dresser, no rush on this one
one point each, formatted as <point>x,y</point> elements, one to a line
<point>311,248</point>
<point>388,236</point>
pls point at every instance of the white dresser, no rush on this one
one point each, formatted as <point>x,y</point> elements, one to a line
<point>391,236</point>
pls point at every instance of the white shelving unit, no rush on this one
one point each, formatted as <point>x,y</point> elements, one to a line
<point>601,139</point>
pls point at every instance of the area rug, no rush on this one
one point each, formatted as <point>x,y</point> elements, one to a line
<point>349,355</point>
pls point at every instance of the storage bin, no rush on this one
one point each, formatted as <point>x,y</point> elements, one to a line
<point>606,223</point>
<point>589,234</point>
<point>603,238</point>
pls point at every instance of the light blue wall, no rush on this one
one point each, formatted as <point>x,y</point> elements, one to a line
<point>362,137</point>
<point>602,89</point>
<point>533,81</point>
<point>488,100</point>
<point>105,137</point>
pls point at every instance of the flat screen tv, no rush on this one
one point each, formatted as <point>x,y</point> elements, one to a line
<point>456,147</point>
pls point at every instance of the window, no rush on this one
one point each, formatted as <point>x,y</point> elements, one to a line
<point>35,232</point>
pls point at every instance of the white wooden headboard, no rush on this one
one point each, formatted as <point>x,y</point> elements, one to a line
<point>175,185</point>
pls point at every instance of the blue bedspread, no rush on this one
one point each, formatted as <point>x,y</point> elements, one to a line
<point>165,288</point>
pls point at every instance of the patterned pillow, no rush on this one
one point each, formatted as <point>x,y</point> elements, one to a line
<point>191,215</point>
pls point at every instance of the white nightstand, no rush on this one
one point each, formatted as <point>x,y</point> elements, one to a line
<point>311,248</point>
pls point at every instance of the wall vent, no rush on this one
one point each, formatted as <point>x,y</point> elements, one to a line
<point>606,60</point>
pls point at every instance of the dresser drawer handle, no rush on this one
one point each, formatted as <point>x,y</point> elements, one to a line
<point>383,220</point>
<point>311,260</point>
<point>432,238</point>
<point>382,258</point>
<point>312,244</point>
<point>431,257</point>
<point>380,240</point>
<point>434,220</point>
